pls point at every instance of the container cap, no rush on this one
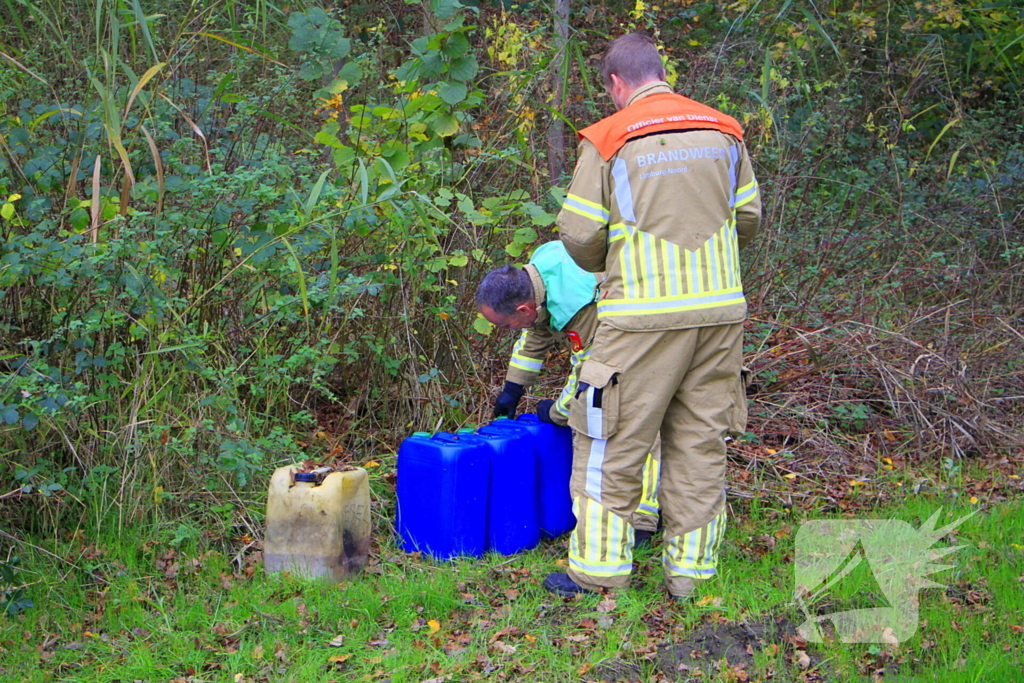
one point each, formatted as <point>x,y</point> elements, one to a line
<point>421,433</point>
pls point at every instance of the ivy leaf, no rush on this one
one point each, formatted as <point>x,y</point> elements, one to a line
<point>445,125</point>
<point>452,92</point>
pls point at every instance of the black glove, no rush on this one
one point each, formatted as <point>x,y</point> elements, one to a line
<point>544,411</point>
<point>508,400</point>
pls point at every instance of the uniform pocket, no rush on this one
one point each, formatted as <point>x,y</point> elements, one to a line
<point>594,409</point>
<point>738,415</point>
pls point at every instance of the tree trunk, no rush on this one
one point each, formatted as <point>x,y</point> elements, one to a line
<point>556,129</point>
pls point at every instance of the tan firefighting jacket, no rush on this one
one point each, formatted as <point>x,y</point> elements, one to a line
<point>534,343</point>
<point>662,200</point>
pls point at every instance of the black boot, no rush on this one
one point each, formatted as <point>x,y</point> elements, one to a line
<point>559,583</point>
<point>642,538</point>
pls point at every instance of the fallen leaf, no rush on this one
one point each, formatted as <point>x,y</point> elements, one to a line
<point>856,482</point>
<point>1015,628</point>
<point>338,659</point>
<point>337,641</point>
<point>606,605</point>
<point>257,652</point>
<point>372,463</point>
<point>771,451</point>
<point>709,600</point>
<point>802,660</point>
<point>974,500</point>
<point>434,625</point>
<point>791,475</point>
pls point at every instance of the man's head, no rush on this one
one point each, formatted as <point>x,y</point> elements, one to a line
<point>505,298</point>
<point>631,61</point>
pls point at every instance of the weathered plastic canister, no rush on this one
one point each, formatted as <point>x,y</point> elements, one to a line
<point>442,494</point>
<point>512,495</point>
<point>318,523</point>
<point>554,469</point>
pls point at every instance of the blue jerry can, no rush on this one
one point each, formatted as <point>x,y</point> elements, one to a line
<point>442,494</point>
<point>554,468</point>
<point>512,506</point>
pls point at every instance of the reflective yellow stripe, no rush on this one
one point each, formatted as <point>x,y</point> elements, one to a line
<point>746,194</point>
<point>660,277</point>
<point>669,304</point>
<point>562,404</point>
<point>651,478</point>
<point>608,541</point>
<point>585,208</point>
<point>643,256</point>
<point>695,554</point>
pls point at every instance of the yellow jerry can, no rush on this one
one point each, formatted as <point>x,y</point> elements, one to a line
<point>318,523</point>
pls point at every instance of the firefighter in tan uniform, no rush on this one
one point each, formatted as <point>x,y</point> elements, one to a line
<point>552,301</point>
<point>662,199</point>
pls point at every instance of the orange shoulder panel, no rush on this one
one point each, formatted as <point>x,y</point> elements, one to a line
<point>655,114</point>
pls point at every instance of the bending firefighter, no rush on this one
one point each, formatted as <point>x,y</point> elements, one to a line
<point>553,302</point>
<point>662,199</point>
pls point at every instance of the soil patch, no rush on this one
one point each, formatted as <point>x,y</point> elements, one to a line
<point>728,644</point>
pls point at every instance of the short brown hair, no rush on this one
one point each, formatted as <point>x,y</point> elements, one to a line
<point>634,58</point>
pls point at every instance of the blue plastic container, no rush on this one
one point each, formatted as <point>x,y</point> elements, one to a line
<point>512,524</point>
<point>553,446</point>
<point>442,494</point>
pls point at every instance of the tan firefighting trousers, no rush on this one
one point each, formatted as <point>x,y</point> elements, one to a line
<point>685,383</point>
<point>645,518</point>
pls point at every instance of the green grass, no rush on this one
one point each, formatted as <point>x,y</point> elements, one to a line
<point>154,612</point>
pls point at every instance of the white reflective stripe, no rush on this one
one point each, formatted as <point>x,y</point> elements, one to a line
<point>594,465</point>
<point>585,208</point>
<point>734,157</point>
<point>714,272</point>
<point>694,572</point>
<point>623,193</point>
<point>746,194</point>
<point>600,569</point>
<point>524,363</point>
<point>616,232</point>
<point>708,556</point>
<point>695,287</point>
<point>672,266</point>
<point>651,276</point>
<point>614,535</point>
<point>692,544</point>
<point>593,544</point>
<point>728,246</point>
<point>626,266</point>
<point>669,303</point>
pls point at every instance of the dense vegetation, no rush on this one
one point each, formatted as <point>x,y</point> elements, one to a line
<point>240,234</point>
